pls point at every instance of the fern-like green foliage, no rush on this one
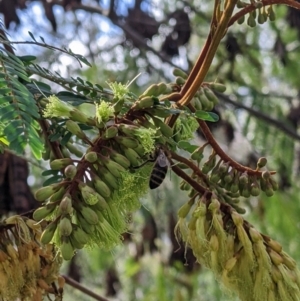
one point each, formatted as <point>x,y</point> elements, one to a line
<point>19,113</point>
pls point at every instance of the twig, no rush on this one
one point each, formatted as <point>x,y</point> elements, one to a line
<point>213,143</point>
<point>264,117</point>
<point>199,188</point>
<point>83,289</point>
<point>191,165</point>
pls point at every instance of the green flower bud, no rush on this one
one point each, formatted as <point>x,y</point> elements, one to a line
<point>132,156</point>
<point>91,157</point>
<point>179,81</point>
<point>88,228</point>
<point>207,105</point>
<point>75,244</point>
<point>48,233</point>
<point>184,210</point>
<point>269,190</point>
<point>66,248</point>
<point>217,87</point>
<point>78,116</point>
<point>70,171</point>
<point>43,212</point>
<point>74,128</point>
<point>110,132</point>
<point>100,205</point>
<point>108,178</point>
<point>261,18</point>
<point>266,175</point>
<point>262,162</point>
<point>45,192</point>
<point>211,95</point>
<point>58,164</point>
<point>74,150</point>
<point>80,235</point>
<point>164,128</point>
<point>89,195</point>
<point>179,72</point>
<point>128,129</point>
<point>151,91</point>
<point>245,192</point>
<point>120,159</point>
<point>160,112</point>
<point>224,166</point>
<point>271,13</point>
<point>65,226</point>
<point>254,189</point>
<point>197,103</point>
<point>101,187</point>
<point>58,195</point>
<point>115,168</point>
<point>126,141</point>
<point>163,88</point>
<point>209,164</point>
<point>89,215</point>
<point>197,154</point>
<point>215,177</point>
<point>65,152</point>
<point>65,206</point>
<point>143,103</point>
<point>243,180</point>
<point>251,20</point>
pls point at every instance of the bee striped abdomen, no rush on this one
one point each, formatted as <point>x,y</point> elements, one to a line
<point>157,176</point>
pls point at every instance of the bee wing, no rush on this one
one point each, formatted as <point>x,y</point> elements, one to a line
<point>162,160</point>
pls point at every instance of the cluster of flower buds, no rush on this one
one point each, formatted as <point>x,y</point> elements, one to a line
<point>91,203</point>
<point>246,183</point>
<point>259,14</point>
<point>205,99</point>
<point>27,269</point>
<point>243,260</point>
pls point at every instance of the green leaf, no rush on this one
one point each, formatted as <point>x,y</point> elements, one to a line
<point>99,87</point>
<point>66,138</point>
<point>50,172</point>
<point>32,36</point>
<point>27,58</point>
<point>208,116</point>
<point>185,145</point>
<point>52,180</point>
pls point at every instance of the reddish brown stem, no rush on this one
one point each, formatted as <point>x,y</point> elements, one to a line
<point>189,180</point>
<point>209,137</point>
<point>83,289</point>
<point>191,165</point>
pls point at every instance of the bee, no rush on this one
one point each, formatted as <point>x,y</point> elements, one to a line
<point>159,170</point>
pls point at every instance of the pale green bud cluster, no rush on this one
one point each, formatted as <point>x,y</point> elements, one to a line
<point>230,183</point>
<point>92,204</point>
<point>260,14</point>
<point>246,262</point>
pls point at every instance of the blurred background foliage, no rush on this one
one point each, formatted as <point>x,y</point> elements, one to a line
<point>259,116</point>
